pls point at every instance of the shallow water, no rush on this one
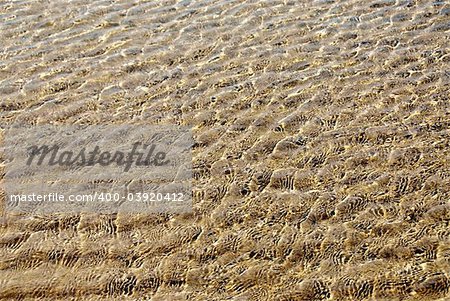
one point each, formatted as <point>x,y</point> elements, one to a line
<point>321,163</point>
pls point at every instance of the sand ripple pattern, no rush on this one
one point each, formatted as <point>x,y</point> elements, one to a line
<point>321,161</point>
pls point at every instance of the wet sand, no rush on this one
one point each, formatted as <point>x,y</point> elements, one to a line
<point>321,163</point>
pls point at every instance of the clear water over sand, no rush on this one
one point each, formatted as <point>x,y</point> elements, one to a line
<point>322,158</point>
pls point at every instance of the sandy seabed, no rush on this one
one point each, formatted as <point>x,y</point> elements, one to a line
<point>321,163</point>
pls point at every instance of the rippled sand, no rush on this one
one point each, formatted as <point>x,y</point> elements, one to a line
<point>321,157</point>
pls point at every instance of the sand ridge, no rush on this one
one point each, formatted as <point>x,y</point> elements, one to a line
<point>321,156</point>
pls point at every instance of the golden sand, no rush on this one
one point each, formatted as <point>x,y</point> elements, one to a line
<point>321,165</point>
